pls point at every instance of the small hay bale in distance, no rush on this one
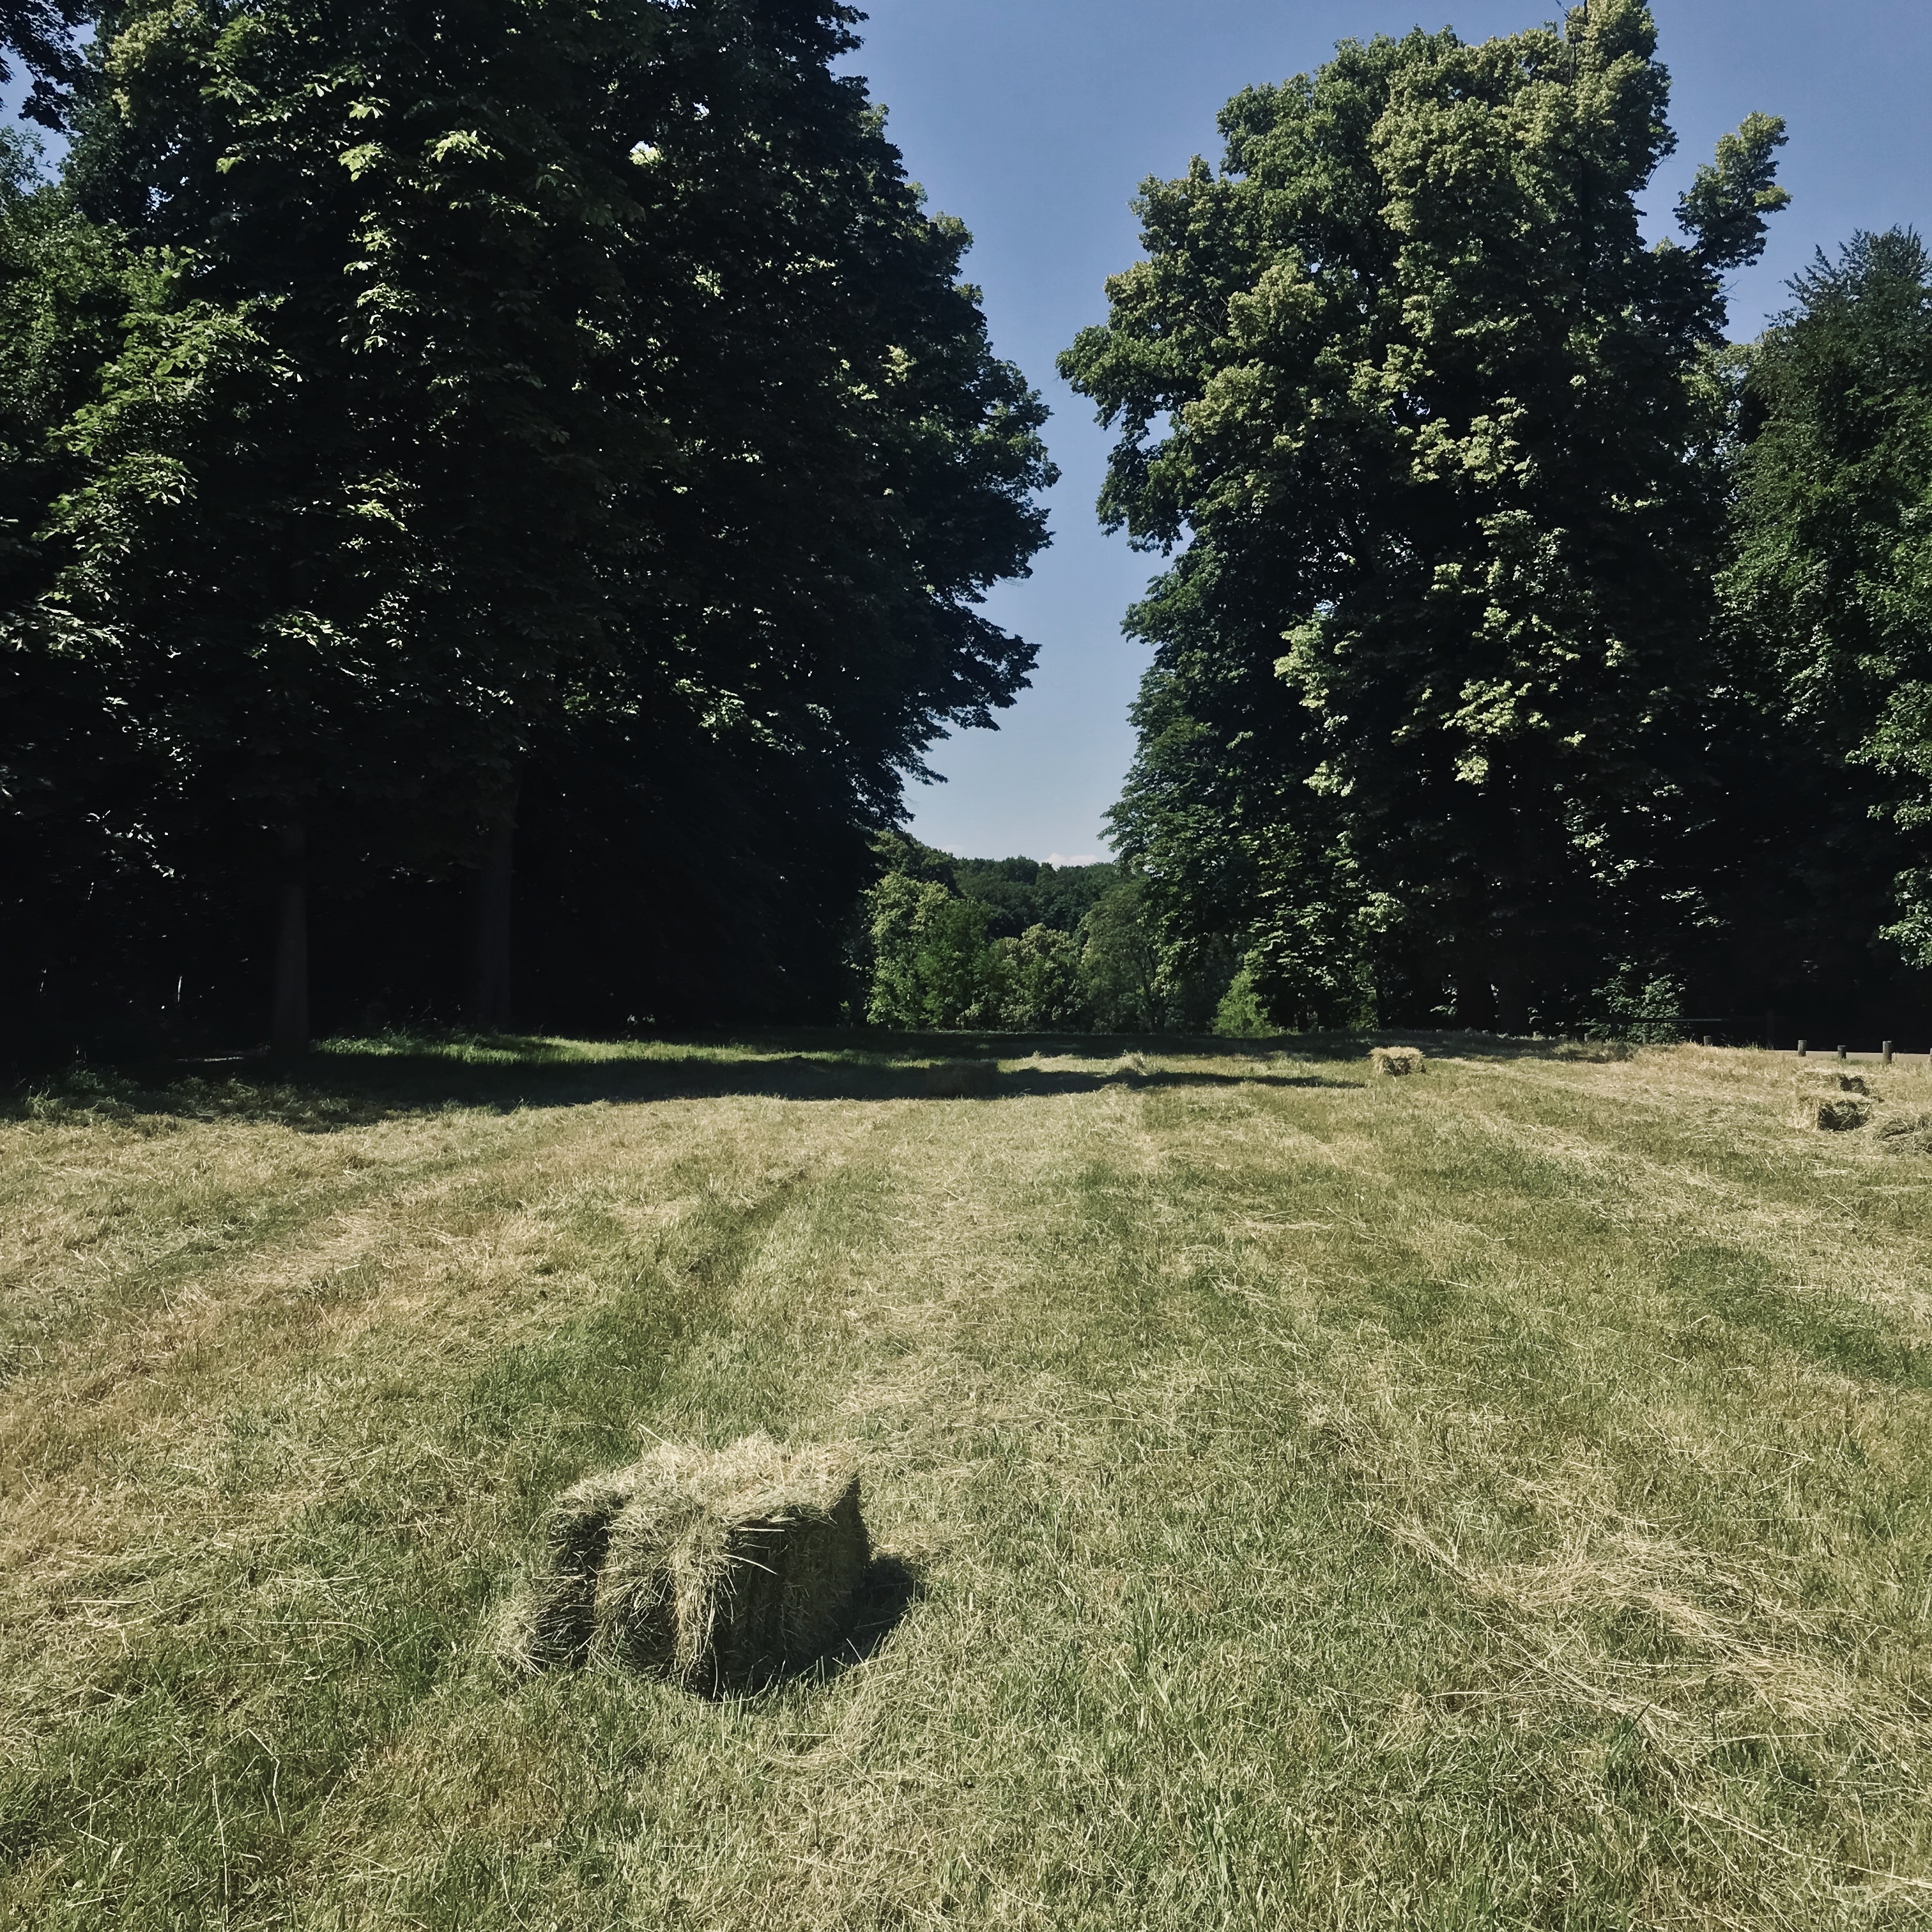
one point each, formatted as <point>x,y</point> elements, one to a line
<point>1388,1063</point>
<point>1832,1114</point>
<point>962,1079</point>
<point>1829,1080</point>
<point>715,1570</point>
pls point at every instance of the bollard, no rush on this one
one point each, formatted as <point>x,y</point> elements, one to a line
<point>1707,1039</point>
<point>1800,1050</point>
<point>1841,1053</point>
<point>1884,1048</point>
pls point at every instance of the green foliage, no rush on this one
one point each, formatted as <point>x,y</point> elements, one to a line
<point>932,967</point>
<point>1639,1002</point>
<point>1022,892</point>
<point>1120,961</point>
<point>40,34</point>
<point>934,957</point>
<point>1438,439</point>
<point>1044,989</point>
<point>1830,586</point>
<point>1240,1013</point>
<point>567,417</point>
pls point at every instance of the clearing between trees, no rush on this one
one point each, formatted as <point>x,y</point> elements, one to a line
<point>1494,1497</point>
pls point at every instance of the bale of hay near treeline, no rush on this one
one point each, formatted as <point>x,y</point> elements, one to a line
<point>1388,1062</point>
<point>716,1569</point>
<point>962,1079</point>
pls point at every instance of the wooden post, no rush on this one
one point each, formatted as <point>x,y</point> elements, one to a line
<point>1841,1053</point>
<point>1801,1049</point>
<point>1885,1049</point>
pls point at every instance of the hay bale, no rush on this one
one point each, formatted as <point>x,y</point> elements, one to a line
<point>712,1570</point>
<point>1907,1133</point>
<point>1840,1115</point>
<point>1390,1062</point>
<point>962,1079</point>
<point>1829,1080</point>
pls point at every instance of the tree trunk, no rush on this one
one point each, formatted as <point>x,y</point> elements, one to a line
<point>288,1030</point>
<point>1512,1001</point>
<point>489,956</point>
<point>1475,996</point>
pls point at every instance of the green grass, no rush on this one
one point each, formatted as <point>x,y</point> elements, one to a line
<point>1495,1498</point>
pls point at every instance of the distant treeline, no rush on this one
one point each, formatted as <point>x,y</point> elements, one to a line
<point>1013,945</point>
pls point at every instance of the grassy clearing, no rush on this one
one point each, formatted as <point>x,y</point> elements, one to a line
<point>1495,1498</point>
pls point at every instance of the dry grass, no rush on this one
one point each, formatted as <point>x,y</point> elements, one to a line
<point>1495,1501</point>
<point>961,1080</point>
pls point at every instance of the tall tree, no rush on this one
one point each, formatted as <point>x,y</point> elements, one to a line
<point>1830,590</point>
<point>1437,437</point>
<point>581,409</point>
<point>40,34</point>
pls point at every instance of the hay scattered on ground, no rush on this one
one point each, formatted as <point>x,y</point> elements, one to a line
<point>1130,1067</point>
<point>714,1569</point>
<point>962,1079</point>
<point>1390,1061</point>
<point>1833,1116</point>
<point>1598,1052</point>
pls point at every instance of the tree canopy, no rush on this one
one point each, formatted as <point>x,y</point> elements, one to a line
<point>546,424</point>
<point>1437,441</point>
<point>1829,585</point>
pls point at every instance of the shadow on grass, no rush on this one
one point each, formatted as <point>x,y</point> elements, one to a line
<point>887,1593</point>
<point>348,1083</point>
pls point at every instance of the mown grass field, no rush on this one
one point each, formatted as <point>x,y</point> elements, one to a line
<point>1499,1498</point>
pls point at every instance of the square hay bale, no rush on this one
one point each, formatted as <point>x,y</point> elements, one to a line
<point>962,1079</point>
<point>1829,1080</point>
<point>1389,1062</point>
<point>1833,1115</point>
<point>716,1570</point>
<point>1907,1133</point>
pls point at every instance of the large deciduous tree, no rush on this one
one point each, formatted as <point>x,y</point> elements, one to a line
<point>546,413</point>
<point>1438,439</point>
<point>1830,594</point>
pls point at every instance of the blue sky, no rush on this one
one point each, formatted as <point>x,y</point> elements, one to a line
<point>1034,121</point>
